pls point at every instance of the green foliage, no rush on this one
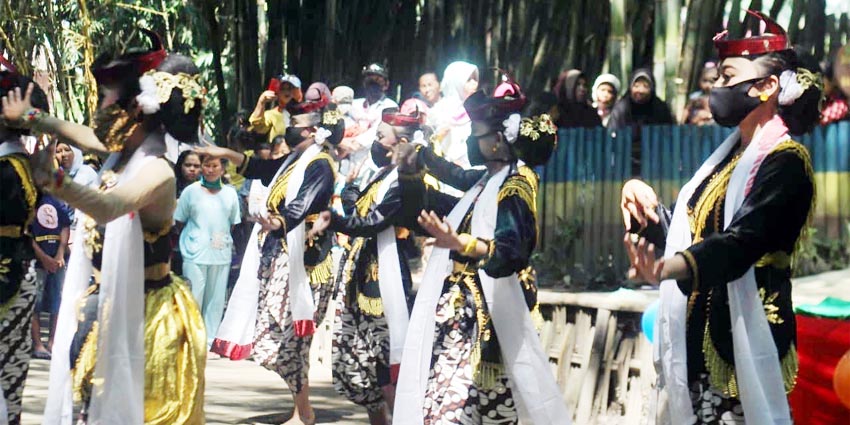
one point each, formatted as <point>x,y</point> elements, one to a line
<point>816,254</point>
<point>557,267</point>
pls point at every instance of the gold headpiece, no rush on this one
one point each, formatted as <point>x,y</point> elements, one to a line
<point>331,117</point>
<point>532,127</point>
<point>189,84</point>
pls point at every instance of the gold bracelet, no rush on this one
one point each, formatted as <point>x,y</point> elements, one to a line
<point>470,246</point>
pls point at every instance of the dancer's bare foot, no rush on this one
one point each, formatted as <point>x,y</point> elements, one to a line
<point>297,419</point>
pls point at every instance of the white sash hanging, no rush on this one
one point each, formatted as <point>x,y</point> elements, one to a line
<point>390,280</point>
<point>236,331</point>
<point>757,367</point>
<point>300,294</point>
<point>118,383</point>
<point>537,395</point>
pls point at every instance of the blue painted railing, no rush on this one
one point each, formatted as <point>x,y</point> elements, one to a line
<point>582,181</point>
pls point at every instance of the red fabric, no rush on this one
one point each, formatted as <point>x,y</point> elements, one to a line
<point>774,39</point>
<point>394,370</point>
<point>820,344</point>
<point>304,328</point>
<point>836,109</point>
<point>231,350</point>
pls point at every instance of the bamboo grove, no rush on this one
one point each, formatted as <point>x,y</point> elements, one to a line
<point>240,44</point>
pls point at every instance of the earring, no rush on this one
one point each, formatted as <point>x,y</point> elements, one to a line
<point>763,97</point>
<point>495,149</point>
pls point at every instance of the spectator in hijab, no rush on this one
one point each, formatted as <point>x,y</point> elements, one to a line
<point>574,110</point>
<point>640,106</point>
<point>836,107</point>
<point>605,91</point>
<point>448,116</point>
<point>71,160</point>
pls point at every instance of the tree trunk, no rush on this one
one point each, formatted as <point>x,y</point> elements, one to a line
<point>215,38</point>
<point>274,64</point>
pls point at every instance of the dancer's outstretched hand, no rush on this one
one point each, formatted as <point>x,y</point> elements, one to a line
<point>638,200</point>
<point>644,265</point>
<point>323,221</point>
<point>15,105</point>
<point>444,235</point>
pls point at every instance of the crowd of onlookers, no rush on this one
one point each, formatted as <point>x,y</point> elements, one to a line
<point>212,220</point>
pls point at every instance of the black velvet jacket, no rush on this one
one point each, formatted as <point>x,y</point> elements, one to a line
<point>364,219</point>
<point>313,197</point>
<point>18,197</point>
<point>763,232</point>
<point>515,235</point>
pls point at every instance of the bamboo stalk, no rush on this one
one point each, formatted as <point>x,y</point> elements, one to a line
<point>88,59</point>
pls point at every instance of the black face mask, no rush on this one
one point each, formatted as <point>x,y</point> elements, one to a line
<point>293,137</point>
<point>473,152</point>
<point>730,105</point>
<point>373,89</point>
<point>380,155</point>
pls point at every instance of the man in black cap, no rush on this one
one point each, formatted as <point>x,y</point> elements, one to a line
<point>366,112</point>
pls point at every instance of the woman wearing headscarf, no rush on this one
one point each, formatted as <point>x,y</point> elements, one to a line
<point>605,91</point>
<point>573,108</point>
<point>472,354</point>
<point>448,117</point>
<point>725,338</point>
<point>295,267</point>
<point>134,340</point>
<point>640,106</point>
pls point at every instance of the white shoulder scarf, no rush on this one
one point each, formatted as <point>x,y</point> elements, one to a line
<point>119,376</point>
<point>300,294</point>
<point>535,391</point>
<point>390,280</point>
<point>236,331</point>
<point>757,366</point>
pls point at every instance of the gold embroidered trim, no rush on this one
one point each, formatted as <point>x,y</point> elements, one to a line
<point>711,199</point>
<point>151,237</point>
<point>12,232</point>
<point>778,259</point>
<point>277,192</point>
<point>721,374</point>
<point>802,153</point>
<point>519,186</point>
<point>371,306</point>
<point>366,200</point>
<point>83,371</point>
<point>771,310</point>
<point>22,167</point>
<point>322,273</point>
<point>489,374</point>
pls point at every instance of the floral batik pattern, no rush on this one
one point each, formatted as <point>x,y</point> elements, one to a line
<point>275,345</point>
<point>361,347</point>
<point>712,407</point>
<point>452,395</point>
